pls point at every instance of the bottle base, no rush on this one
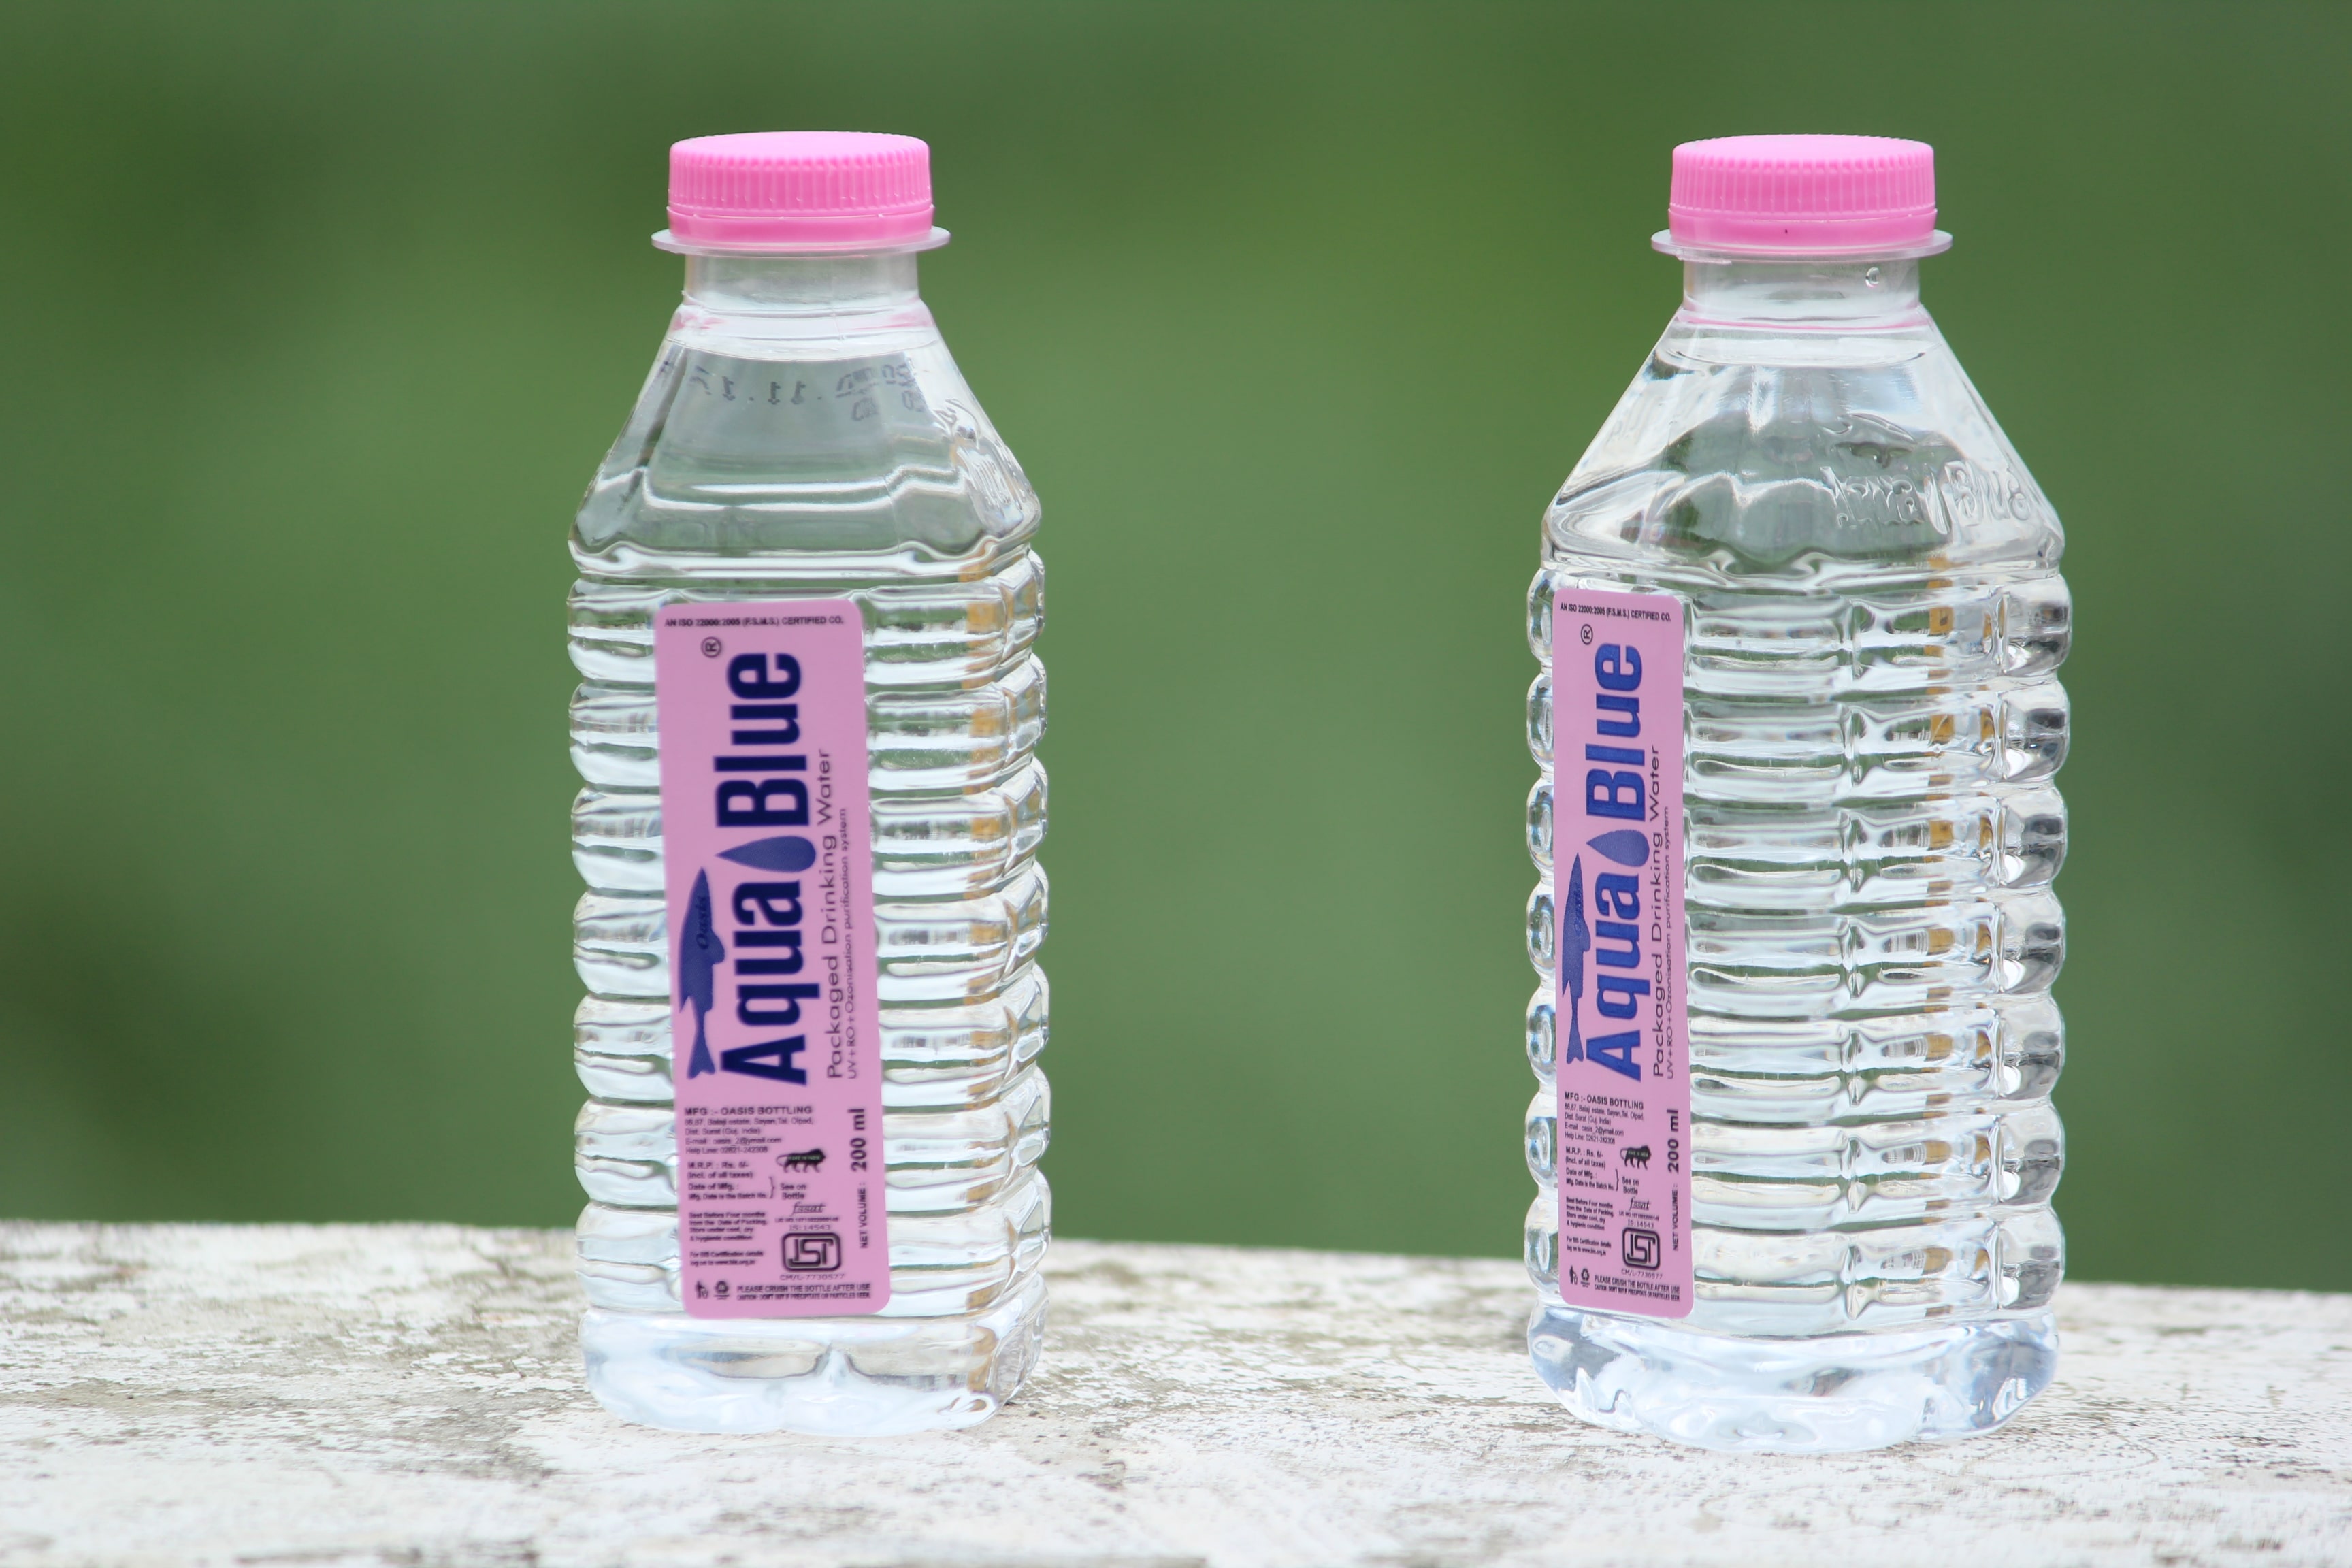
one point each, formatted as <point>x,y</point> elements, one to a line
<point>1831,1393</point>
<point>842,1377</point>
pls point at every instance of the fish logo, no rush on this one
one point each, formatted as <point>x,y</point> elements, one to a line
<point>1575,942</point>
<point>699,955</point>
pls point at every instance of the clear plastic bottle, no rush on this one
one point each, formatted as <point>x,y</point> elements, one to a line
<point>1870,618</point>
<point>804,436</point>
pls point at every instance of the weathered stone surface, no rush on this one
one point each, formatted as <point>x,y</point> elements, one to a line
<point>411,1395</point>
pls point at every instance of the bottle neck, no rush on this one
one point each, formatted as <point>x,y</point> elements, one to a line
<point>837,285</point>
<point>803,306</point>
<point>1833,293</point>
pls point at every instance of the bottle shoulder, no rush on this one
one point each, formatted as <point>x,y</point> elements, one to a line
<point>775,451</point>
<point>1755,453</point>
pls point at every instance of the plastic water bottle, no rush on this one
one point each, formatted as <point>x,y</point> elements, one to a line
<point>1799,615</point>
<point>806,722</point>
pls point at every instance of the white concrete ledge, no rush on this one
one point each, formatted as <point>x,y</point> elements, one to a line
<point>411,1395</point>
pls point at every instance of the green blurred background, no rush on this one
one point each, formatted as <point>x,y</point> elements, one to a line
<point>316,318</point>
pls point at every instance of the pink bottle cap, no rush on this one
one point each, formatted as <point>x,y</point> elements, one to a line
<point>1804,195</point>
<point>786,192</point>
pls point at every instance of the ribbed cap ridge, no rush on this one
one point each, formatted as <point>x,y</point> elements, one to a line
<point>1795,194</point>
<point>800,190</point>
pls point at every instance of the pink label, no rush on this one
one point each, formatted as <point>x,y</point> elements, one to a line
<point>1623,1031</point>
<point>777,1039</point>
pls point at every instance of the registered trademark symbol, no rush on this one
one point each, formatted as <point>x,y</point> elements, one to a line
<point>1585,636</point>
<point>712,648</point>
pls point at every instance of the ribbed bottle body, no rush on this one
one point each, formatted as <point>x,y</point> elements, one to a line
<point>806,435</point>
<point>1873,622</point>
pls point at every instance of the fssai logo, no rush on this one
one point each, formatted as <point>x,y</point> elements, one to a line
<point>1613,939</point>
<point>762,784</point>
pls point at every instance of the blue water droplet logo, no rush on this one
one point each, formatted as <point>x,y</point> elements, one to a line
<point>1626,846</point>
<point>787,853</point>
